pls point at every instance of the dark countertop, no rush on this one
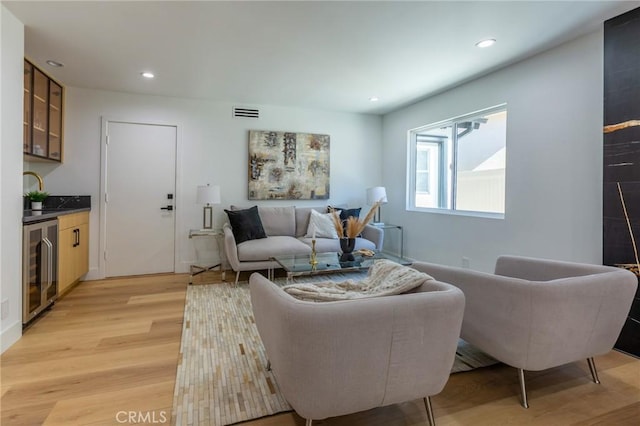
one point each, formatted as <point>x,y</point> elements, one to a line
<point>31,216</point>
<point>56,205</point>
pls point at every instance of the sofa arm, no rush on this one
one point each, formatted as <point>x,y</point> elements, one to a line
<point>535,269</point>
<point>374,234</point>
<point>491,302</point>
<point>230,248</point>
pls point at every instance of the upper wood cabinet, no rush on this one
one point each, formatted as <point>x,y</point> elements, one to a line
<point>43,116</point>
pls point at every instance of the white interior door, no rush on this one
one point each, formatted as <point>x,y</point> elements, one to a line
<point>140,181</point>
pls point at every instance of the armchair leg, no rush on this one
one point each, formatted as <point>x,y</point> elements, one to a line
<point>237,277</point>
<point>427,405</point>
<point>523,389</point>
<point>592,368</point>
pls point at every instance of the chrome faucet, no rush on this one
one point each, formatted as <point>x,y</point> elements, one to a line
<point>37,176</point>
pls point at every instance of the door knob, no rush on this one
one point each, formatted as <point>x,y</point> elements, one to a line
<point>167,208</point>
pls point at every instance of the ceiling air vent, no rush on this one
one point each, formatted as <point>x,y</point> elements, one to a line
<point>246,112</point>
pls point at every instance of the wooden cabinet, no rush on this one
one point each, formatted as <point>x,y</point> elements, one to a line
<point>43,116</point>
<point>73,249</point>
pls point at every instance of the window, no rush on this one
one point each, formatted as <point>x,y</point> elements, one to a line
<point>459,164</point>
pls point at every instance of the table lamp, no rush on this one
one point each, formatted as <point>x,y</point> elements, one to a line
<point>208,194</point>
<point>377,193</point>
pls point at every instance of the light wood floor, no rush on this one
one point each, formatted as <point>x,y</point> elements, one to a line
<point>112,346</point>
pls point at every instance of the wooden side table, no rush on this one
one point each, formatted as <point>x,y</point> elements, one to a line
<point>203,266</point>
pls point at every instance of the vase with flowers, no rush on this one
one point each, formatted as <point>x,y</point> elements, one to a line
<point>349,229</point>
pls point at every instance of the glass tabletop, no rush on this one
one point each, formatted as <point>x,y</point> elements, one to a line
<point>330,262</point>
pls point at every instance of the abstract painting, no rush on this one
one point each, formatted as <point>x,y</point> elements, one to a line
<point>288,166</point>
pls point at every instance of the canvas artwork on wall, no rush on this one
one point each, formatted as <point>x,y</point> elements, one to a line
<point>288,166</point>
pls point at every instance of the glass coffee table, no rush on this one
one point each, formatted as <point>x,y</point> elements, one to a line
<point>298,265</point>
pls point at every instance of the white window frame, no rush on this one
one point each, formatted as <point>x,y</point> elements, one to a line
<point>449,179</point>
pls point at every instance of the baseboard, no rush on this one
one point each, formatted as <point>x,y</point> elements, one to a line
<point>184,266</point>
<point>93,274</point>
<point>11,335</point>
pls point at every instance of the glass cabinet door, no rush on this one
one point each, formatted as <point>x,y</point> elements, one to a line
<point>43,114</point>
<point>40,114</point>
<point>55,120</point>
<point>28,88</point>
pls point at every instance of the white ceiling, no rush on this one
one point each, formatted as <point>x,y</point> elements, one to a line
<point>326,55</point>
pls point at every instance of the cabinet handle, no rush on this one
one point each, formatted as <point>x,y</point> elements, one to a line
<point>76,233</point>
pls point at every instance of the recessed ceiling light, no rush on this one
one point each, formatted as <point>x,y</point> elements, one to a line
<point>147,74</point>
<point>374,99</point>
<point>486,43</point>
<point>55,64</point>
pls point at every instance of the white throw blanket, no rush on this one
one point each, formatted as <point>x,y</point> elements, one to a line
<point>383,279</point>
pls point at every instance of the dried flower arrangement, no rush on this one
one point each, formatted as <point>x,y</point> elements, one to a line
<point>354,225</point>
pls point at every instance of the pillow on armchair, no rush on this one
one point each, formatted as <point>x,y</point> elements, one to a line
<point>246,224</point>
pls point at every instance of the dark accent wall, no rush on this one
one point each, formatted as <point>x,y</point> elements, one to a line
<point>622,154</point>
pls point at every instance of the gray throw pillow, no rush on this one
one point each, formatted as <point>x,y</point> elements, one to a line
<point>246,224</point>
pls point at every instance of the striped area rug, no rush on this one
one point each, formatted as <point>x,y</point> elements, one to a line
<point>221,377</point>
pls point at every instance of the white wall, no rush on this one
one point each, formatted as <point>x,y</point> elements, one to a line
<point>214,150</point>
<point>11,87</point>
<point>554,162</point>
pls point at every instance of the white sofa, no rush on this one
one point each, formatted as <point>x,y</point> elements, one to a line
<point>285,228</point>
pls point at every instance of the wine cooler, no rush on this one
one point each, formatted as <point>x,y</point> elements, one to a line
<point>40,267</point>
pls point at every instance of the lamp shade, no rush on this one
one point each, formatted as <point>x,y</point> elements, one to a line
<point>208,194</point>
<point>377,193</point>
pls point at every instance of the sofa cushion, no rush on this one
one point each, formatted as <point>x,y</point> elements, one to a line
<point>302,218</point>
<point>264,249</point>
<point>321,224</point>
<point>278,220</point>
<point>345,214</point>
<point>327,245</point>
<point>246,224</point>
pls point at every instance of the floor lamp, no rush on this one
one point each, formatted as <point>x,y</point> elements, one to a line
<point>208,194</point>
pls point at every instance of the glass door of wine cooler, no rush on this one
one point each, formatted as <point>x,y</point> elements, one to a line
<point>40,267</point>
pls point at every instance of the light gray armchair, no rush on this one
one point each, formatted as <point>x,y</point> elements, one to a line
<point>336,358</point>
<point>534,314</point>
